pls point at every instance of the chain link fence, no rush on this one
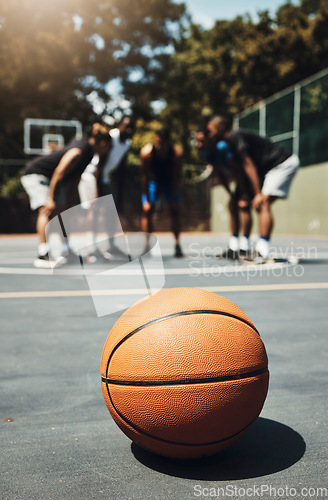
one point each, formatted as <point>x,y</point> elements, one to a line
<point>296,118</point>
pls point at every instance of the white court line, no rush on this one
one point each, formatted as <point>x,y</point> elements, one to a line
<point>17,260</point>
<point>17,252</point>
<point>25,271</point>
<point>143,291</point>
<point>195,266</point>
<point>205,269</point>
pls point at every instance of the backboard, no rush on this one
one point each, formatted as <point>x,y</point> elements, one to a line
<point>41,136</point>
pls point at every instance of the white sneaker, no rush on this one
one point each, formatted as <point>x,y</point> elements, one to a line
<point>44,262</point>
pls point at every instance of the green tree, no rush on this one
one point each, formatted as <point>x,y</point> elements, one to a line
<point>240,62</point>
<point>56,54</point>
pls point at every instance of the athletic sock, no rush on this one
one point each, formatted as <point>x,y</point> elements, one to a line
<point>43,249</point>
<point>263,246</point>
<point>234,243</point>
<point>244,243</point>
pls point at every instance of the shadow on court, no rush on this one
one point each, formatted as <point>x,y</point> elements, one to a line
<point>313,261</point>
<point>269,447</point>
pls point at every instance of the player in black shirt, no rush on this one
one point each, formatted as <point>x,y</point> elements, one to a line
<point>269,168</point>
<point>51,180</point>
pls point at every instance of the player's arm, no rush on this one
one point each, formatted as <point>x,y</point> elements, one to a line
<point>72,190</point>
<point>222,155</point>
<point>221,177</point>
<point>251,172</point>
<point>145,159</point>
<point>66,166</point>
<point>240,178</point>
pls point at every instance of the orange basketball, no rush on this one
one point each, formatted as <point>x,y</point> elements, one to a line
<point>184,373</point>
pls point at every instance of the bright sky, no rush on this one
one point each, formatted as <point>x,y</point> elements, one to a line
<point>206,12</point>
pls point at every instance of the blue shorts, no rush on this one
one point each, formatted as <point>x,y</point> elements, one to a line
<point>158,189</point>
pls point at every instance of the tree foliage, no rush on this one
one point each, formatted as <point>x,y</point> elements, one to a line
<point>54,54</point>
<point>237,63</point>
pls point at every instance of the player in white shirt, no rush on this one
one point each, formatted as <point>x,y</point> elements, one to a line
<point>96,183</point>
<point>121,144</point>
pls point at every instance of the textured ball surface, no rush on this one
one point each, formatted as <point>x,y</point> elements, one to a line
<point>184,373</point>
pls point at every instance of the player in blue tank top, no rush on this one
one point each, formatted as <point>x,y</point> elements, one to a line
<point>161,166</point>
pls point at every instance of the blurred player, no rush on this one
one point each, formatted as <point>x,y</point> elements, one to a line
<point>95,181</point>
<point>269,168</point>
<point>220,157</point>
<point>161,166</point>
<point>115,160</point>
<point>51,182</point>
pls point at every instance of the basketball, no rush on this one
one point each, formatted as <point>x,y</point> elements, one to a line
<point>184,373</point>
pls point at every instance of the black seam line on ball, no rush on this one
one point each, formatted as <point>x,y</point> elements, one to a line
<point>174,315</point>
<point>187,381</point>
<point>176,443</point>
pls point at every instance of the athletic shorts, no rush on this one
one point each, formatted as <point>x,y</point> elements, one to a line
<point>37,188</point>
<point>88,189</point>
<point>156,190</point>
<point>278,180</point>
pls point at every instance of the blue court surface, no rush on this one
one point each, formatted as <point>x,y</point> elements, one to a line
<point>58,440</point>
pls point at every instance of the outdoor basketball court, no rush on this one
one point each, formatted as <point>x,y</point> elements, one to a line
<point>58,438</point>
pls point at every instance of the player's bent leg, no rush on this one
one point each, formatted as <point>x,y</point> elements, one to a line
<point>234,221</point>
<point>176,229</point>
<point>244,240</point>
<point>43,260</point>
<point>147,219</point>
<point>266,226</point>
<point>266,217</point>
<point>232,252</point>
